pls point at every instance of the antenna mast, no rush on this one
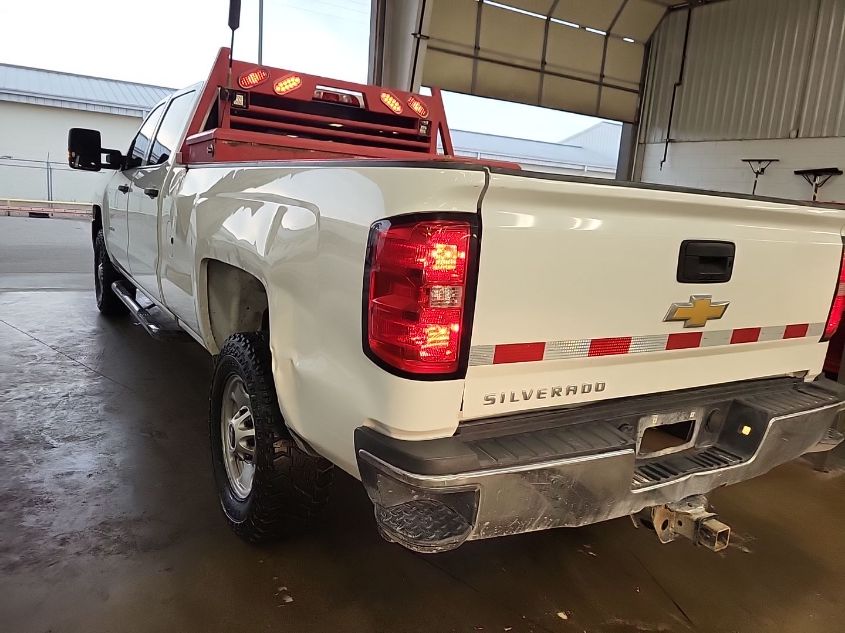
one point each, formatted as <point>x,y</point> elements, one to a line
<point>234,23</point>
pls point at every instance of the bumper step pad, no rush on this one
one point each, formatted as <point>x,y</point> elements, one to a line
<point>429,525</point>
<point>665,469</point>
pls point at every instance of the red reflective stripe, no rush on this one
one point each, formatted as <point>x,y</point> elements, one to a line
<point>518,353</point>
<point>798,330</point>
<point>684,340</point>
<point>609,346</point>
<point>745,335</point>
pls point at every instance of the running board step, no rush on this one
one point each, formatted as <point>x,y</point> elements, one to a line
<point>157,327</point>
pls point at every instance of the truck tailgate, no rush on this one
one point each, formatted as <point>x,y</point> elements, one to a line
<point>576,281</point>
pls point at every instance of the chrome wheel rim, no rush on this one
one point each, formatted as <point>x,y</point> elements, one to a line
<point>237,434</point>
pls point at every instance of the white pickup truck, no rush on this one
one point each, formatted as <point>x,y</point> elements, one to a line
<point>490,351</point>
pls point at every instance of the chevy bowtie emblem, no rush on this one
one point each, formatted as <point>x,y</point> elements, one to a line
<point>699,310</point>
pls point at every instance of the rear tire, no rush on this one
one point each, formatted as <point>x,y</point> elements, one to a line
<point>105,274</point>
<point>268,486</point>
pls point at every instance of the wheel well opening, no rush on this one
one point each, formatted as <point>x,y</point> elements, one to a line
<point>96,222</point>
<point>237,301</point>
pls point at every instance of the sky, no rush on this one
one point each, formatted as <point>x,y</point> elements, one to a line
<point>173,43</point>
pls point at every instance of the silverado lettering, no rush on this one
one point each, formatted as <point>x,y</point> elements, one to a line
<point>543,393</point>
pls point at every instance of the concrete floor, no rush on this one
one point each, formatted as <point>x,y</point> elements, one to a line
<point>109,519</point>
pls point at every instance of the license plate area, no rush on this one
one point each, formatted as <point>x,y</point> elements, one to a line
<point>666,433</point>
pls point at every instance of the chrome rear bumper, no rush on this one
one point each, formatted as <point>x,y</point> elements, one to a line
<point>595,475</point>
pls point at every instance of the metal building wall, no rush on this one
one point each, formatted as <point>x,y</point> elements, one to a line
<point>755,69</point>
<point>824,111</point>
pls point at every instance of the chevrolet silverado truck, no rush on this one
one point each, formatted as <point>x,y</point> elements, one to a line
<point>490,351</point>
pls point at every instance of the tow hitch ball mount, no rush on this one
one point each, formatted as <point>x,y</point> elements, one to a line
<point>689,518</point>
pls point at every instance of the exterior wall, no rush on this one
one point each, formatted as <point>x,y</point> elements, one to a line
<point>33,134</point>
<point>761,79</point>
<point>716,165</point>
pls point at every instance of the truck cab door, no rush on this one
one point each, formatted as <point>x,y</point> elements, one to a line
<point>148,190</point>
<point>124,185</point>
<point>115,220</point>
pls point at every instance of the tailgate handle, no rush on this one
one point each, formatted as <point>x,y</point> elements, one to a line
<point>705,261</point>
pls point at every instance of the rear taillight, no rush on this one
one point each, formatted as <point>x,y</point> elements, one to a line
<point>417,284</point>
<point>834,317</point>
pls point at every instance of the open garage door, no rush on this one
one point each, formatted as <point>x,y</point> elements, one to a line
<point>584,56</point>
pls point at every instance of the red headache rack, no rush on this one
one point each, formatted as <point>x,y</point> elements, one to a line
<point>267,113</point>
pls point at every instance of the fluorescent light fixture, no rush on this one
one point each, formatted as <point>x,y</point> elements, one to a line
<point>628,39</point>
<point>596,31</point>
<point>507,7</point>
<point>571,25</point>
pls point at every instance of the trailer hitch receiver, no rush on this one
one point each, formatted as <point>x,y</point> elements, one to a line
<point>689,518</point>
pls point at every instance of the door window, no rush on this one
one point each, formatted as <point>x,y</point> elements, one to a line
<point>141,143</point>
<point>171,128</point>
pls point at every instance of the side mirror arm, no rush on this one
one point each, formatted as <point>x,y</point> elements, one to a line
<point>114,159</point>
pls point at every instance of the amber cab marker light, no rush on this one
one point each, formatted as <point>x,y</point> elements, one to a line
<point>253,78</point>
<point>391,102</point>
<point>287,84</point>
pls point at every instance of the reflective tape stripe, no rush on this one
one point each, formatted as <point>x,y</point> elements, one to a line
<point>684,340</point>
<point>745,335</point>
<point>815,330</point>
<point>796,331</point>
<point>518,353</point>
<point>481,354</point>
<point>653,343</point>
<point>583,348</point>
<point>777,333</point>
<point>556,350</point>
<point>609,346</point>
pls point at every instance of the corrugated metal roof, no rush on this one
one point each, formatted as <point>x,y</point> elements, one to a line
<point>79,92</point>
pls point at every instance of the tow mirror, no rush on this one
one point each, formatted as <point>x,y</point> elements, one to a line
<point>83,149</point>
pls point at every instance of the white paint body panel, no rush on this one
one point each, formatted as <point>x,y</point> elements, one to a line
<point>559,260</point>
<point>303,231</point>
<point>564,260</point>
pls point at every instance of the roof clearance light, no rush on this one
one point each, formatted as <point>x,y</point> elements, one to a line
<point>253,78</point>
<point>418,106</point>
<point>391,102</point>
<point>287,84</point>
